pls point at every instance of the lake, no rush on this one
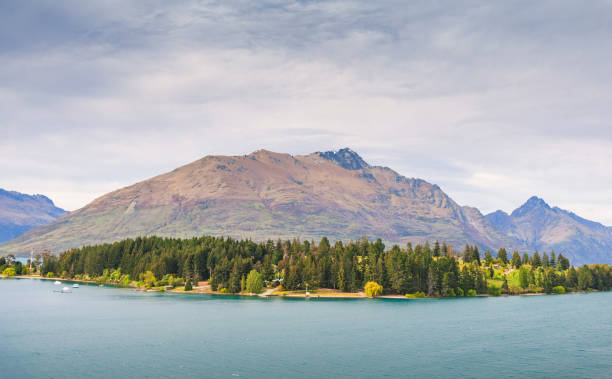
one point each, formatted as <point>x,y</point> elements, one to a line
<point>114,332</point>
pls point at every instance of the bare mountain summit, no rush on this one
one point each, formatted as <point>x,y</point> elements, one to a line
<point>268,195</point>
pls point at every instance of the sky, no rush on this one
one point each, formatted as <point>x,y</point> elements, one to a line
<point>493,101</point>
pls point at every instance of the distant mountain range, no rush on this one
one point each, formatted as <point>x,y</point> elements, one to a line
<point>335,194</point>
<point>20,213</point>
<point>537,226</point>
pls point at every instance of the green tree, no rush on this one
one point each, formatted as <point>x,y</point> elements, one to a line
<point>254,282</point>
<point>585,278</point>
<point>188,285</point>
<point>373,289</point>
<point>524,277</point>
<point>341,278</point>
<point>516,259</point>
<point>553,259</point>
<point>535,260</point>
<point>547,279</point>
<point>488,258</point>
<point>436,249</point>
<point>502,255</point>
<point>562,262</point>
<point>504,287</point>
<point>571,280</point>
<point>431,282</point>
<point>149,279</point>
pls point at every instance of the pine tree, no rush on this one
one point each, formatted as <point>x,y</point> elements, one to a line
<point>188,286</point>
<point>467,254</point>
<point>525,259</point>
<point>562,262</point>
<point>516,259</point>
<point>444,249</point>
<point>524,277</point>
<point>502,255</point>
<point>488,258</point>
<point>341,278</point>
<point>436,249</point>
<point>431,282</point>
<point>553,259</point>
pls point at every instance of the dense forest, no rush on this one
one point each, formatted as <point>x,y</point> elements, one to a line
<point>432,270</point>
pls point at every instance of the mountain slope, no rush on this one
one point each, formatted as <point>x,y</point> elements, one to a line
<point>20,213</point>
<point>538,226</point>
<point>268,195</point>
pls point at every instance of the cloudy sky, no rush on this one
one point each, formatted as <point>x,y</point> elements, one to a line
<point>493,101</point>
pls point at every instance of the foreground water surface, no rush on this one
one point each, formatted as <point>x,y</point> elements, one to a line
<point>113,332</point>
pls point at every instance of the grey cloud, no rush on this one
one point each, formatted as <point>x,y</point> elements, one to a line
<point>492,101</point>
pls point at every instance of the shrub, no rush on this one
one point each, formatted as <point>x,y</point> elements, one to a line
<point>50,274</point>
<point>188,286</point>
<point>495,291</point>
<point>223,290</point>
<point>9,271</point>
<point>460,292</point>
<point>125,279</point>
<point>515,290</point>
<point>149,279</point>
<point>373,289</point>
<point>559,290</point>
<point>471,293</point>
<point>451,293</point>
<point>417,294</point>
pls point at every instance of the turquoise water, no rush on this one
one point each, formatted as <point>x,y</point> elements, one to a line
<point>112,332</point>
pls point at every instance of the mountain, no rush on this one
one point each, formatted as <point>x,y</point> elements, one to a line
<point>20,213</point>
<point>537,226</point>
<point>271,195</point>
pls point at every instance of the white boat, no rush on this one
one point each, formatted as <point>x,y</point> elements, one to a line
<point>66,290</point>
<point>75,285</point>
<point>57,283</point>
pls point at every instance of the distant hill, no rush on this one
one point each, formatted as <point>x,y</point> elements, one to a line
<point>20,213</point>
<point>336,194</point>
<point>271,195</point>
<point>537,226</point>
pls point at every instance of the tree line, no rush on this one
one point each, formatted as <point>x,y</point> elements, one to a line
<point>434,270</point>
